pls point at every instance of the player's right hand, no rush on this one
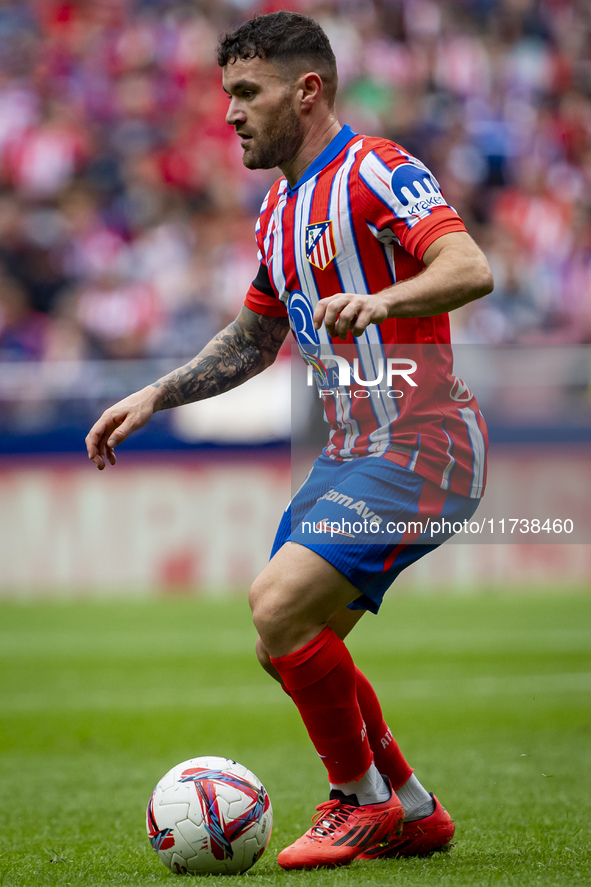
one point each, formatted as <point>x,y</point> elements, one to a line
<point>117,423</point>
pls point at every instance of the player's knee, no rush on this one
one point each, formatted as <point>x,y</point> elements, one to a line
<point>264,658</point>
<point>259,597</point>
<point>269,611</point>
<point>266,615</point>
<point>282,612</point>
<point>255,593</point>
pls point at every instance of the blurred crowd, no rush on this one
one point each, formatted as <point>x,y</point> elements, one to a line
<point>127,218</point>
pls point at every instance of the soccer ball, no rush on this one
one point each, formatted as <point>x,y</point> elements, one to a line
<point>209,815</point>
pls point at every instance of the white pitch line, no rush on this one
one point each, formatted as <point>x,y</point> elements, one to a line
<point>487,686</point>
<point>249,696</point>
<point>56,645</point>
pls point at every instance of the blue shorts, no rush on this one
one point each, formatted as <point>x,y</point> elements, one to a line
<point>370,519</point>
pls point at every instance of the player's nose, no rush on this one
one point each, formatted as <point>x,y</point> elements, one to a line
<point>235,114</point>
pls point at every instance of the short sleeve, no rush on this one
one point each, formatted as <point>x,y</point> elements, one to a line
<point>261,297</point>
<point>400,197</point>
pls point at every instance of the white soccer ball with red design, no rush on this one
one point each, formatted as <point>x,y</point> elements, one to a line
<point>209,815</point>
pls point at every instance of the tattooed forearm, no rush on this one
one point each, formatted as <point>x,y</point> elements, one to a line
<point>246,347</point>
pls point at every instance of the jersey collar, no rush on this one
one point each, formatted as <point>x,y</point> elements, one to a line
<point>325,157</point>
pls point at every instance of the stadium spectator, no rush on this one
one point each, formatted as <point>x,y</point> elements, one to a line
<point>23,330</point>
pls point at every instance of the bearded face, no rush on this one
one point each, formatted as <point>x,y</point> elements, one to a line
<point>262,113</point>
<point>274,141</point>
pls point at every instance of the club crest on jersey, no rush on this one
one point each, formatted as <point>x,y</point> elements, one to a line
<point>320,245</point>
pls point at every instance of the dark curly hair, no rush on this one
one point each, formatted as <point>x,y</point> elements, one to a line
<point>291,41</point>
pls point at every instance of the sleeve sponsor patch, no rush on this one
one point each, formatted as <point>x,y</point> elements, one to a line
<point>416,191</point>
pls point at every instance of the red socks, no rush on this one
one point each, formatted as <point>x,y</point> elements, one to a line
<point>339,706</point>
<point>320,678</point>
<point>386,754</point>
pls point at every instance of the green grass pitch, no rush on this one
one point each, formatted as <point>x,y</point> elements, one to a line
<point>489,696</point>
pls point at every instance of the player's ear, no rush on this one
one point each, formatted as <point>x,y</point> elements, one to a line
<point>310,90</point>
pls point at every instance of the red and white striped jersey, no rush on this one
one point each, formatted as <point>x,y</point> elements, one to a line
<point>359,220</point>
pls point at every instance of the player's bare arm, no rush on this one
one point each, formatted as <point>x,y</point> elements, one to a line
<point>456,273</point>
<point>244,348</point>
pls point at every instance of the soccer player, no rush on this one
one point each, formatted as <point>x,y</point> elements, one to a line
<point>357,245</point>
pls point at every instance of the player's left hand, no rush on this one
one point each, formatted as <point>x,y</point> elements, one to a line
<point>346,313</point>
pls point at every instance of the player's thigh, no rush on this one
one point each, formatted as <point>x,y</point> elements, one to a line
<point>295,596</point>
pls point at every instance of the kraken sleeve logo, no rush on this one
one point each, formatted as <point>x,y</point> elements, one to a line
<point>416,191</point>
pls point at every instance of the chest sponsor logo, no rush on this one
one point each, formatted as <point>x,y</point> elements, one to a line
<point>320,245</point>
<point>416,192</point>
<point>301,321</point>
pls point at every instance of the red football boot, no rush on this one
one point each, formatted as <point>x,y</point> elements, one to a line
<point>342,830</point>
<point>434,832</point>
